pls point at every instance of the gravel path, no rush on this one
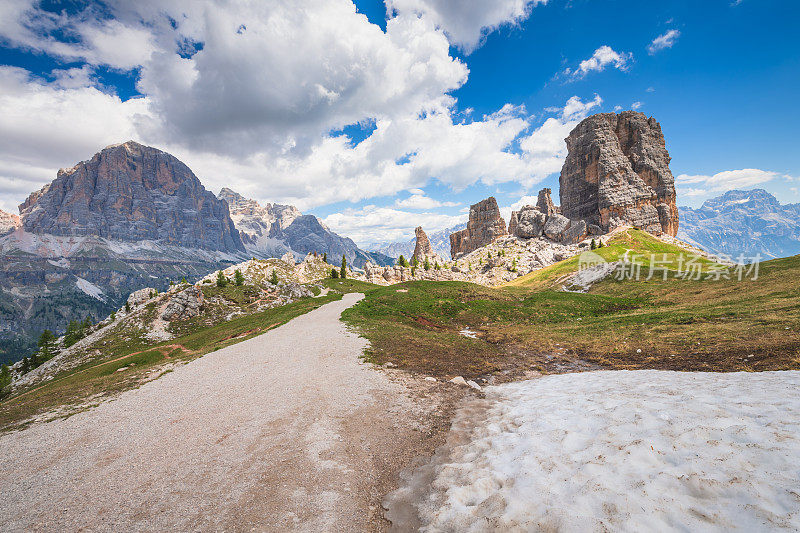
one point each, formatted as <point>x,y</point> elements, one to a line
<point>287,430</point>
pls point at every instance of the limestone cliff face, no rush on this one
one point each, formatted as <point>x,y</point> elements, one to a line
<point>617,172</point>
<point>132,192</point>
<point>8,222</point>
<point>484,227</point>
<point>256,222</point>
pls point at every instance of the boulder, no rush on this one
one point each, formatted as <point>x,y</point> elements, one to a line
<point>575,233</point>
<point>617,173</point>
<point>530,223</point>
<point>555,226</point>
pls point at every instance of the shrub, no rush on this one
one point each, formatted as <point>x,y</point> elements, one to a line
<point>334,273</point>
<point>601,244</point>
<point>222,281</point>
<point>273,278</point>
<point>325,257</point>
<point>127,307</point>
<point>238,278</point>
<point>427,264</point>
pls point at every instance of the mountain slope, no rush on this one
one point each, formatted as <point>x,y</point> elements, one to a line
<point>744,222</point>
<point>132,216</point>
<point>274,229</point>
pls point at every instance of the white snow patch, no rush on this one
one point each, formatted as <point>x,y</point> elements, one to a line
<point>468,333</point>
<point>91,289</point>
<point>621,451</point>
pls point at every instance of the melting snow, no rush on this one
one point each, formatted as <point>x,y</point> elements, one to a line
<point>622,451</point>
<point>91,289</point>
<point>468,333</point>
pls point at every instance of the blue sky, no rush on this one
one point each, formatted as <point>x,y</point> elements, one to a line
<point>382,123</point>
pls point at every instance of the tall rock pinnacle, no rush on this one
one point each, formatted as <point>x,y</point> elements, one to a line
<point>617,172</point>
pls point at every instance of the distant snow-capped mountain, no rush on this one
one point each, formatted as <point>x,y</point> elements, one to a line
<point>743,222</point>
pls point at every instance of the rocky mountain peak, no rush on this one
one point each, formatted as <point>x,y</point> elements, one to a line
<point>8,222</point>
<point>132,192</point>
<point>755,198</point>
<point>617,173</point>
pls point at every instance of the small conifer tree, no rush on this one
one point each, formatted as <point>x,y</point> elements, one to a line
<point>402,261</point>
<point>343,271</point>
<point>273,278</point>
<point>593,245</point>
<point>427,264</point>
<point>222,281</point>
<point>325,257</point>
<point>334,273</point>
<point>238,278</point>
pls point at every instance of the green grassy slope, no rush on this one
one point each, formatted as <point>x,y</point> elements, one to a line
<point>674,324</point>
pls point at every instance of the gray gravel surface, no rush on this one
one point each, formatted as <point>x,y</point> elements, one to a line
<point>288,430</point>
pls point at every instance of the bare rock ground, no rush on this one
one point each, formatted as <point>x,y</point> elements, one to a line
<point>288,430</point>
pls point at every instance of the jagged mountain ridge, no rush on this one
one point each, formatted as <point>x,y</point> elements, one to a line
<point>270,230</point>
<point>743,222</point>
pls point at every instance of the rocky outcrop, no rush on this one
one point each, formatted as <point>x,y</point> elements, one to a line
<point>440,243</point>
<point>545,203</point>
<point>8,223</point>
<point>131,192</point>
<point>184,304</point>
<point>484,227</point>
<point>617,173</point>
<point>423,250</point>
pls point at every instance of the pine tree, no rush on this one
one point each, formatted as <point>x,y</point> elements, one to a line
<point>514,265</point>
<point>343,271</point>
<point>427,264</point>
<point>325,257</point>
<point>593,245</point>
<point>222,281</point>
<point>601,244</point>
<point>184,280</point>
<point>46,346</point>
<point>334,274</point>
<point>402,261</point>
<point>127,307</point>
<point>238,278</point>
<point>5,378</point>
<point>274,277</point>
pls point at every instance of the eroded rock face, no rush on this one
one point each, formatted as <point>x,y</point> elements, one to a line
<point>8,223</point>
<point>254,221</point>
<point>132,192</point>
<point>484,227</point>
<point>617,172</point>
<point>184,304</point>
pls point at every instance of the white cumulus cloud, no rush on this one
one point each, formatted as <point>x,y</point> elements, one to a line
<point>601,58</point>
<point>467,22</point>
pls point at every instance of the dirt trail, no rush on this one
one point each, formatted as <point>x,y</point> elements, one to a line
<point>287,430</point>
